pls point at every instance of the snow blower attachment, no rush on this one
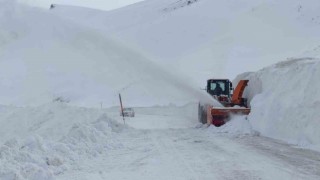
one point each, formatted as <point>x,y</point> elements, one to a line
<point>233,104</point>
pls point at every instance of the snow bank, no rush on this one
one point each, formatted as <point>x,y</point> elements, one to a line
<point>285,101</point>
<point>42,154</point>
<point>50,120</point>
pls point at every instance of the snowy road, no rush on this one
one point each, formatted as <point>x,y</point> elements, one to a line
<point>194,154</point>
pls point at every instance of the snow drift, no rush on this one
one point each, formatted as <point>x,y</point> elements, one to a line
<point>285,101</point>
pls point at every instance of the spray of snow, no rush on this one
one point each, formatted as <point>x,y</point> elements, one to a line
<point>210,38</point>
<point>73,63</point>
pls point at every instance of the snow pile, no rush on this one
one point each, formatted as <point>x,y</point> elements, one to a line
<point>286,101</point>
<point>237,126</point>
<point>50,120</point>
<point>44,155</point>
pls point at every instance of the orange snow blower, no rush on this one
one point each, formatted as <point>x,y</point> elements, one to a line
<point>232,103</point>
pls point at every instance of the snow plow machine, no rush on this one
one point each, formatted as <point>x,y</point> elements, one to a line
<point>231,100</point>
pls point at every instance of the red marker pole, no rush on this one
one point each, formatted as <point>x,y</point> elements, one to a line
<point>124,121</point>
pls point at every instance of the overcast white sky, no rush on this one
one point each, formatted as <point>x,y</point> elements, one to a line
<point>98,4</point>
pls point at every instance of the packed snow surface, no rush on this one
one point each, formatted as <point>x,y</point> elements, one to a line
<point>285,101</point>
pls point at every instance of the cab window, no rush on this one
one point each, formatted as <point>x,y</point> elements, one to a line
<point>222,85</point>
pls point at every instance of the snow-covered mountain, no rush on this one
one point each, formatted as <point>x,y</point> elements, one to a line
<point>208,38</point>
<point>79,53</point>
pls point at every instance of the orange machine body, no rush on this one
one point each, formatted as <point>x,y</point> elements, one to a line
<point>234,104</point>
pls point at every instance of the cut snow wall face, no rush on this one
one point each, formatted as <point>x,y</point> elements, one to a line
<point>254,81</point>
<point>285,101</point>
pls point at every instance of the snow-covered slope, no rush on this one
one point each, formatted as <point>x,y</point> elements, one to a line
<point>210,38</point>
<point>285,101</point>
<point>43,57</point>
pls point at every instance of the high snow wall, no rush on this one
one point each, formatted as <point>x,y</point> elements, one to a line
<point>285,101</point>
